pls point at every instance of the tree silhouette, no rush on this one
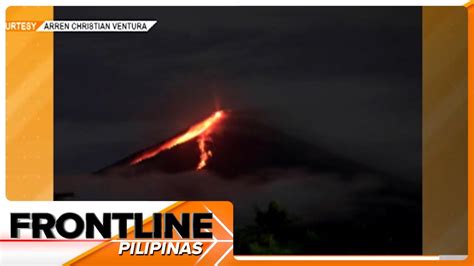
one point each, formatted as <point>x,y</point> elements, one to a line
<point>270,233</point>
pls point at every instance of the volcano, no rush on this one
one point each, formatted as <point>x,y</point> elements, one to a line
<point>236,156</point>
<point>232,144</point>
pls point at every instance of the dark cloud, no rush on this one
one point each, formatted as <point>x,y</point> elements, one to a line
<point>336,197</point>
<point>345,80</point>
<point>353,213</point>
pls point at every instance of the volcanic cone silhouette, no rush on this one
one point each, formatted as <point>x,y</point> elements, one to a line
<point>239,145</point>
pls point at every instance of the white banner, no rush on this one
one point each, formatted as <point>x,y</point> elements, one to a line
<point>97,25</point>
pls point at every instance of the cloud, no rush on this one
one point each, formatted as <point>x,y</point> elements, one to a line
<point>315,197</point>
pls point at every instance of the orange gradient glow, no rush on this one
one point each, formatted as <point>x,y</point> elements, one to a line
<point>201,130</point>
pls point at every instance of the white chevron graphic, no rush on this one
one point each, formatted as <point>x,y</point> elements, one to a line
<point>215,241</point>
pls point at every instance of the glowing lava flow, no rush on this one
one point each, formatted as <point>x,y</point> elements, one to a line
<point>200,130</point>
<point>205,153</point>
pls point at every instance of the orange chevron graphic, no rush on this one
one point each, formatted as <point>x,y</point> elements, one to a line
<point>215,251</point>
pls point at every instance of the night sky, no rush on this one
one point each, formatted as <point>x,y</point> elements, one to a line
<point>345,80</point>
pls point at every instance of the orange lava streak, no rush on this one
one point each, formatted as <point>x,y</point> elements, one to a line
<point>205,154</point>
<point>194,131</point>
